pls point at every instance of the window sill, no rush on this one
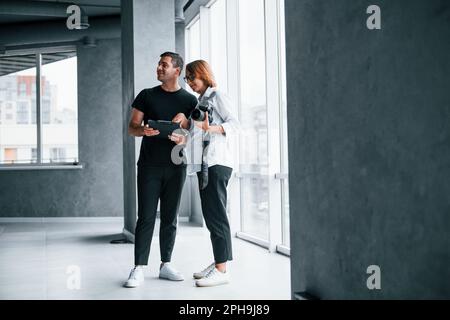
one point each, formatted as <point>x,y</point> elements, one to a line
<point>255,240</point>
<point>61,166</point>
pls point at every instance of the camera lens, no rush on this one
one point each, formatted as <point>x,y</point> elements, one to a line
<point>198,115</point>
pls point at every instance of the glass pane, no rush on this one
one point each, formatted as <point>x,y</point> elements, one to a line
<point>285,211</point>
<point>253,118</point>
<point>59,108</point>
<point>219,43</point>
<point>255,206</point>
<point>193,46</point>
<point>284,129</point>
<point>18,130</point>
<point>194,42</point>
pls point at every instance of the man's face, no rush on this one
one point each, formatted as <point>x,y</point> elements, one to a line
<point>166,71</point>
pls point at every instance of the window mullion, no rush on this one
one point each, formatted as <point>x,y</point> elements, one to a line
<point>38,108</point>
<point>273,122</point>
<point>233,85</point>
<point>283,123</point>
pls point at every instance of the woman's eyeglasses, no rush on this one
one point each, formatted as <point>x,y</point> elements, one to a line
<point>189,78</point>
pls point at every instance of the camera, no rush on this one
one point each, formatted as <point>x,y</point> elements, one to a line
<point>199,113</point>
<point>203,106</point>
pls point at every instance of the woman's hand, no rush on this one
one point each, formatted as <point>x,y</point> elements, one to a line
<point>182,120</point>
<point>205,126</point>
<point>178,138</point>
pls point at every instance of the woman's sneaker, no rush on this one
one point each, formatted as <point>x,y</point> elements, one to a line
<point>213,278</point>
<point>136,278</point>
<point>168,272</point>
<point>204,272</point>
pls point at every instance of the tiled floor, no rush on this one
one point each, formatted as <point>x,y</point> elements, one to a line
<point>34,259</point>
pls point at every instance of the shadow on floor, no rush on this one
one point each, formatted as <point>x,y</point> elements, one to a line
<point>119,237</point>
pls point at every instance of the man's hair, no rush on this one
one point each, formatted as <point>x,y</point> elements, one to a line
<point>177,60</point>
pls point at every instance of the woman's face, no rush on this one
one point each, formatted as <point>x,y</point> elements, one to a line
<point>197,85</point>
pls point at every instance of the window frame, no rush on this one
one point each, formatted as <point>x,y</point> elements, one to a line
<point>284,247</point>
<point>242,234</point>
<point>40,165</point>
<point>276,143</point>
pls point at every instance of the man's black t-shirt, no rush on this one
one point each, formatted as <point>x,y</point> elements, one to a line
<point>158,104</point>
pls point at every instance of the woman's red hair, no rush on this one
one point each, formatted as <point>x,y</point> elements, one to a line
<point>201,70</point>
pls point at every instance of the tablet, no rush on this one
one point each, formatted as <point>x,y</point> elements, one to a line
<point>165,128</point>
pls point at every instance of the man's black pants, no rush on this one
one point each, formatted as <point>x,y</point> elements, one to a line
<point>214,207</point>
<point>164,184</point>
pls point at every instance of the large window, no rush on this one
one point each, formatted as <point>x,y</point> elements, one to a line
<point>18,133</point>
<point>244,42</point>
<point>254,152</point>
<point>208,41</point>
<point>59,109</point>
<point>218,41</point>
<point>38,126</point>
<point>193,41</point>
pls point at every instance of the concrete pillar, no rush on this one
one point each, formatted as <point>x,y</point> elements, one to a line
<point>148,29</point>
<point>368,115</point>
<point>180,45</point>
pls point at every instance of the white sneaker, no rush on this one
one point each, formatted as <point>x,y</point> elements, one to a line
<point>204,272</point>
<point>213,278</point>
<point>170,273</point>
<point>136,278</point>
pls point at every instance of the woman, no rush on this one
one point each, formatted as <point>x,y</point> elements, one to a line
<point>216,165</point>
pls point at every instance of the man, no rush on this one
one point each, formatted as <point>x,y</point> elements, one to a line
<point>159,178</point>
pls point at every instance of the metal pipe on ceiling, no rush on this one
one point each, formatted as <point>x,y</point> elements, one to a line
<point>57,31</point>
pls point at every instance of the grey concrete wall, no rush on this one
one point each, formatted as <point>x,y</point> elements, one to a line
<point>369,147</point>
<point>97,189</point>
<point>154,33</point>
<point>180,45</point>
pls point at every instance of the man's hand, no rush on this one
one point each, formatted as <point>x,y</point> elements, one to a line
<point>149,132</point>
<point>178,138</point>
<point>182,120</point>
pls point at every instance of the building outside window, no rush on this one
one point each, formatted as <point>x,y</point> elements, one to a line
<point>23,112</point>
<point>35,142</point>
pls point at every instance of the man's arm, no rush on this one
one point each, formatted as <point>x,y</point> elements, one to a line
<point>136,129</point>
